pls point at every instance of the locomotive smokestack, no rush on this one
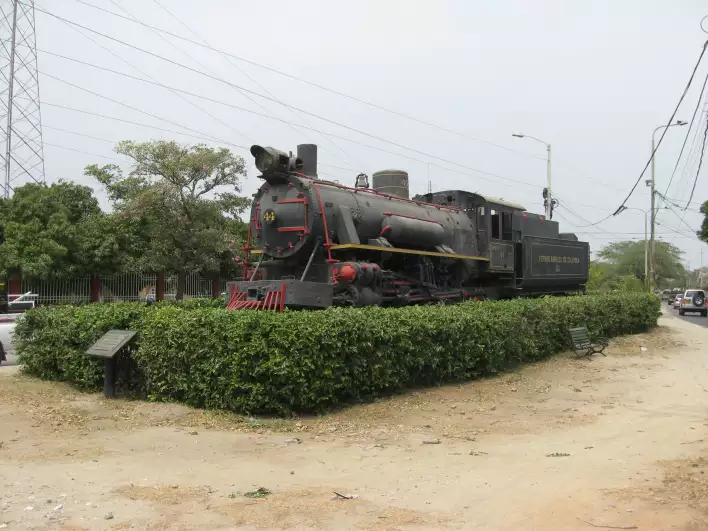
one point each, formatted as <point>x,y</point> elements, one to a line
<point>308,154</point>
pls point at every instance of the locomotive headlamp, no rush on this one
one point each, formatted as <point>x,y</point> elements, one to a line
<point>269,160</point>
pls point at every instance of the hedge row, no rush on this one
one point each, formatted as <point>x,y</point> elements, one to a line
<point>256,362</point>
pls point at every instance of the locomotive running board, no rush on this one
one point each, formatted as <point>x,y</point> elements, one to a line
<point>365,247</point>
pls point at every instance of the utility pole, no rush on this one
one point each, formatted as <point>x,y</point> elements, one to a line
<point>652,184</point>
<point>547,195</point>
<point>646,242</point>
<point>20,119</point>
<point>646,253</point>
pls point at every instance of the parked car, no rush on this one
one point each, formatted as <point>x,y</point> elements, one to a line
<point>677,301</point>
<point>7,326</point>
<point>694,300</point>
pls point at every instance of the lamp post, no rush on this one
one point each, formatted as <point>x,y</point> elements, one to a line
<point>652,183</point>
<point>547,197</point>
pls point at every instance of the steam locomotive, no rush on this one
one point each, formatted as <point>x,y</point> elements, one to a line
<point>314,243</point>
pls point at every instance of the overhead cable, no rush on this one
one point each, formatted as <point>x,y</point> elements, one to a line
<point>278,119</point>
<point>197,61</point>
<point>316,85</point>
<point>700,161</point>
<point>690,127</point>
<point>203,136</point>
<point>663,134</point>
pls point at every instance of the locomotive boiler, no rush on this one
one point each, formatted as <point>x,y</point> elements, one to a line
<point>314,243</point>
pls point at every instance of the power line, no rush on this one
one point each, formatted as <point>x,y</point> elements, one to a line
<point>99,115</point>
<point>241,92</point>
<point>311,83</point>
<point>690,126</point>
<point>277,119</point>
<point>131,107</point>
<point>691,161</point>
<point>596,224</point>
<point>663,134</point>
<point>681,219</point>
<point>332,142</point>
<point>700,160</point>
<point>176,93</point>
<point>682,201</point>
<point>79,151</point>
<point>205,74</point>
<point>582,218</point>
<point>114,142</point>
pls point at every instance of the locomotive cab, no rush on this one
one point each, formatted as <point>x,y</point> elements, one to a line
<point>497,232</point>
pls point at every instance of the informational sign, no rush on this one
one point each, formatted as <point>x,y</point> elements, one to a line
<point>559,260</point>
<point>110,343</point>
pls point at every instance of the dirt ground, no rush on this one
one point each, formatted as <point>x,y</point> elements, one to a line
<point>618,442</point>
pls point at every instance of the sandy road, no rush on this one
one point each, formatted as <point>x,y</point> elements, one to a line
<point>615,441</point>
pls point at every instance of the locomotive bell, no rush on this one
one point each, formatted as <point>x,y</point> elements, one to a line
<point>269,160</point>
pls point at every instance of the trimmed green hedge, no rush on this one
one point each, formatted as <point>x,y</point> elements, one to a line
<point>250,361</point>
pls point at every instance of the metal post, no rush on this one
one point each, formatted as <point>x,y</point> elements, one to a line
<point>312,257</point>
<point>11,82</point>
<point>110,370</point>
<point>652,248</point>
<point>549,203</point>
<point>646,250</point>
<point>253,276</point>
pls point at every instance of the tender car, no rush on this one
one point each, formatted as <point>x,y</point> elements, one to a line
<point>694,300</point>
<point>677,301</point>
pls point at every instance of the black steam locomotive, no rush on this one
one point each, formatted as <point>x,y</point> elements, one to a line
<point>315,243</point>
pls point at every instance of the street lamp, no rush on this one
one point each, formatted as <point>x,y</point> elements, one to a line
<point>652,183</point>
<point>547,196</point>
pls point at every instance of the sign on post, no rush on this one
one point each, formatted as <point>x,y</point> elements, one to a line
<point>107,348</point>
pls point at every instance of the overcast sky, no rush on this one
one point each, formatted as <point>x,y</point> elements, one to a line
<point>591,78</point>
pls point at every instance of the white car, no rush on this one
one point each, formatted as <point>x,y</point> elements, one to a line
<point>694,300</point>
<point>677,301</point>
<point>7,327</point>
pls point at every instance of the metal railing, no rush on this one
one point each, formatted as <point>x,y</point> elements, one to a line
<point>59,291</point>
<point>113,288</point>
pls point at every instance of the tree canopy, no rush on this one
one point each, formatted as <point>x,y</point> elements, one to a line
<point>57,230</point>
<point>180,203</point>
<point>703,233</point>
<point>621,266</point>
<point>177,210</point>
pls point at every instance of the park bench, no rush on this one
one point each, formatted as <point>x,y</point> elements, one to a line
<point>583,346</point>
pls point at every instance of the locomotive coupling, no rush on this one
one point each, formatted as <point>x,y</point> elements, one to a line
<point>271,160</point>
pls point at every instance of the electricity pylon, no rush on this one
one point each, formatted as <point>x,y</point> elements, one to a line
<point>22,149</point>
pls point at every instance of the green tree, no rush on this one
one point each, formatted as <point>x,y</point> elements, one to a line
<point>627,257</point>
<point>703,233</point>
<point>57,230</point>
<point>180,203</point>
